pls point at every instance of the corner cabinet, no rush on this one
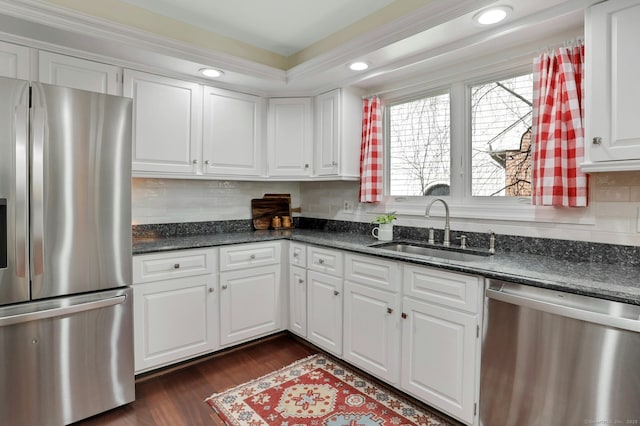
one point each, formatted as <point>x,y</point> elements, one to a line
<point>612,89</point>
<point>338,133</point>
<point>14,61</point>
<point>232,133</point>
<point>289,137</point>
<point>175,307</point>
<point>79,73</point>
<point>167,116</point>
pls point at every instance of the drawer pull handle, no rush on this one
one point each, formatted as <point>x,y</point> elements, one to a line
<point>176,266</point>
<point>389,310</point>
<point>336,293</point>
<point>321,261</point>
<point>252,257</point>
<point>404,316</point>
<point>224,286</point>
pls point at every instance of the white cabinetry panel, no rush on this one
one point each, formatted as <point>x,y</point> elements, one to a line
<point>79,73</point>
<point>290,137</point>
<point>612,87</point>
<point>232,133</point>
<point>166,123</point>
<point>14,61</point>
<point>324,315</point>
<point>298,300</point>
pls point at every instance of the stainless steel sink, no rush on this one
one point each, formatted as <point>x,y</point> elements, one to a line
<point>459,255</point>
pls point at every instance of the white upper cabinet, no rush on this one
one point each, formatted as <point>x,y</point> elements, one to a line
<point>338,133</point>
<point>612,87</point>
<point>78,73</point>
<point>232,133</point>
<point>166,123</point>
<point>14,61</point>
<point>290,137</point>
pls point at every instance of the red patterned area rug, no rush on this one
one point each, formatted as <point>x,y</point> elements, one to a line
<point>316,391</point>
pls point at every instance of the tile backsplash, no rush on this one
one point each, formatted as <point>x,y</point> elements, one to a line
<point>615,202</point>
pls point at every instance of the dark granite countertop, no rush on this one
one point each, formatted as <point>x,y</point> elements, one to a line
<point>617,282</point>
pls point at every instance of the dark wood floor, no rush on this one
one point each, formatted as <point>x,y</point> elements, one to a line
<point>177,397</point>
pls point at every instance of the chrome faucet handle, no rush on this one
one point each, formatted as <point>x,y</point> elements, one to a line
<point>492,242</point>
<point>463,241</point>
<point>432,239</point>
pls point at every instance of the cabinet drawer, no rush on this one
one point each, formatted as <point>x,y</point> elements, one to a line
<point>249,255</point>
<point>324,260</point>
<point>174,264</point>
<point>298,255</point>
<point>372,271</point>
<point>452,289</point>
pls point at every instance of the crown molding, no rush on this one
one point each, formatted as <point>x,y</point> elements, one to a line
<point>106,32</point>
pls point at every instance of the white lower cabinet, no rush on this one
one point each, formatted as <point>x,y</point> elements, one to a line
<point>298,300</point>
<point>176,314</point>
<point>324,311</point>
<point>372,330</point>
<point>249,304</point>
<point>441,344</point>
<point>250,291</point>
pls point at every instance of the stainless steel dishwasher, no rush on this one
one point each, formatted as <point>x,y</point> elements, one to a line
<point>554,358</point>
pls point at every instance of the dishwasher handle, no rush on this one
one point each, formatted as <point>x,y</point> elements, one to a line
<point>582,313</point>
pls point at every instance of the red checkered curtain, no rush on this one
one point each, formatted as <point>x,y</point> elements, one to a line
<point>371,185</point>
<point>557,130</point>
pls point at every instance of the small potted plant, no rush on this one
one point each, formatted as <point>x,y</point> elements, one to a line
<point>384,230</point>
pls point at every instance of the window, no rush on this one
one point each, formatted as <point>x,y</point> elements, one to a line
<point>501,137</point>
<point>419,147</point>
<point>498,114</point>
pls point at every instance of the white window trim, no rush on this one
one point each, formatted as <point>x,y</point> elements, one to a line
<point>462,204</point>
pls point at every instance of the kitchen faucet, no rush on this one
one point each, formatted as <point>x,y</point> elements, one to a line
<point>446,242</point>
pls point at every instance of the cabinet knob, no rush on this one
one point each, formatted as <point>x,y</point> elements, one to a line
<point>206,162</point>
<point>306,166</point>
<point>321,261</point>
<point>176,266</point>
<point>224,286</point>
<point>336,293</point>
<point>300,280</point>
<point>597,140</point>
<point>195,161</point>
<point>389,310</point>
<point>210,289</point>
<point>252,257</point>
<point>295,254</point>
<point>404,316</point>
<point>334,163</point>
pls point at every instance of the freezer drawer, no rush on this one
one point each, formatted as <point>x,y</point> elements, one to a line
<point>66,359</point>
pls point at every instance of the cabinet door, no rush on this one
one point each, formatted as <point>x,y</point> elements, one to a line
<point>249,303</point>
<point>327,138</point>
<point>372,330</point>
<point>78,73</point>
<point>166,123</point>
<point>174,320</point>
<point>612,87</point>
<point>324,311</point>
<point>14,61</point>
<point>439,351</point>
<point>290,137</point>
<point>298,300</point>
<point>232,133</point>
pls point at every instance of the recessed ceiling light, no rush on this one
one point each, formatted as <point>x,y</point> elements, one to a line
<point>210,72</point>
<point>492,15</point>
<point>358,66</point>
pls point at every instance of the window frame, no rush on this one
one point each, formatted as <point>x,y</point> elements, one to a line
<point>462,204</point>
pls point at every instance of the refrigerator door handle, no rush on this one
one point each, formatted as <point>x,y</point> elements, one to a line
<point>21,117</point>
<point>37,191</point>
<point>58,312</point>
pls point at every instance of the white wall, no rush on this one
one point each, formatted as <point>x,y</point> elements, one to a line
<point>182,200</point>
<point>615,204</point>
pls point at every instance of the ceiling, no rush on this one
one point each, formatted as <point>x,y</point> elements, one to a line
<point>284,27</point>
<point>292,47</point>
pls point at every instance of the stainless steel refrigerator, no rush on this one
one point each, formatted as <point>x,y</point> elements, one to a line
<point>66,334</point>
